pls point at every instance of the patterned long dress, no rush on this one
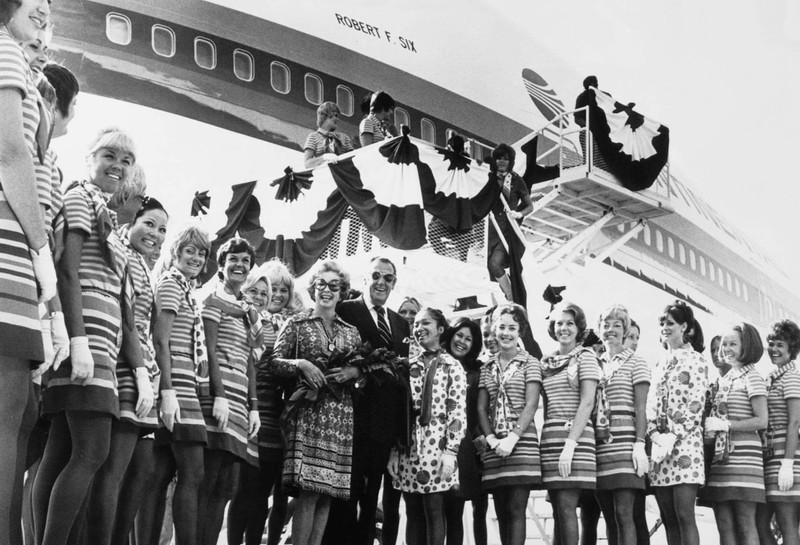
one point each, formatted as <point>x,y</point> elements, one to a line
<point>101,292</point>
<point>419,469</point>
<point>522,467</point>
<point>675,405</point>
<point>784,385</point>
<point>269,393</point>
<point>614,458</point>
<point>741,476</point>
<point>319,435</point>
<point>232,352</point>
<point>562,393</point>
<point>20,328</point>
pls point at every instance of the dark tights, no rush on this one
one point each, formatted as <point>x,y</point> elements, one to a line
<point>454,518</point>
<point>107,484</point>
<point>425,514</point>
<point>676,504</point>
<point>150,517</point>
<point>589,516</point>
<point>617,507</point>
<point>217,489</point>
<point>17,418</point>
<point>138,478</point>
<point>736,522</point>
<point>509,504</point>
<point>247,514</point>
<point>77,447</point>
<point>390,503</point>
<point>479,508</point>
<point>565,505</point>
<point>640,518</point>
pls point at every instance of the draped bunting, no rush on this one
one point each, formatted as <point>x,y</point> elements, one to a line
<point>389,185</point>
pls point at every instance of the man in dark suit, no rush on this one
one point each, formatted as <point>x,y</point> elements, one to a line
<point>380,414</point>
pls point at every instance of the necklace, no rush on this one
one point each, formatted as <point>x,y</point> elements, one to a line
<point>329,336</point>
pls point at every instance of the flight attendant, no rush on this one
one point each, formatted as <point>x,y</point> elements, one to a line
<point>782,471</point>
<point>674,423</point>
<point>621,458</point>
<point>569,381</point>
<point>738,411</point>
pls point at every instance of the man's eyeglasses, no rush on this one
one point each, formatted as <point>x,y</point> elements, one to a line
<point>333,285</point>
<point>389,278</point>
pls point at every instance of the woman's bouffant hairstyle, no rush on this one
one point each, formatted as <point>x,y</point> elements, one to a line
<point>149,203</point>
<point>413,301</point>
<point>503,150</point>
<point>234,245</point>
<point>683,314</point>
<point>326,110</point>
<point>577,314</point>
<point>616,312</point>
<point>515,311</point>
<point>191,235</point>
<point>113,138</point>
<point>438,317</point>
<point>474,330</point>
<point>329,266</point>
<point>788,332</point>
<point>752,347</point>
<point>381,102</point>
<point>64,82</point>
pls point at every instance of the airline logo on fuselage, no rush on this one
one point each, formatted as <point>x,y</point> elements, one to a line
<point>375,32</point>
<point>542,95</point>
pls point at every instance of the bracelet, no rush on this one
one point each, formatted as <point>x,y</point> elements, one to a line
<point>518,431</point>
<point>640,439</point>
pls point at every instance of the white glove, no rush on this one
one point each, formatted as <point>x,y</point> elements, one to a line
<point>639,456</point>
<point>717,424</point>
<point>492,441</point>
<point>221,411</point>
<point>170,410</point>
<point>253,423</point>
<point>81,359</point>
<point>58,331</point>
<point>448,465</point>
<point>45,272</point>
<point>49,351</point>
<point>565,460</point>
<point>393,466</point>
<point>663,443</point>
<point>786,475</point>
<point>146,394</point>
<point>507,445</point>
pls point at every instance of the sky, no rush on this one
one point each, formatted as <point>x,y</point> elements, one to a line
<point>722,75</point>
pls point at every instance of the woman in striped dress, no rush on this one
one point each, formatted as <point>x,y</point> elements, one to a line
<point>181,356</point>
<point>233,327</point>
<point>621,458</point>
<point>569,381</point>
<point>738,411</point>
<point>319,426</point>
<point>22,241</point>
<point>782,472</point>
<point>271,286</point>
<point>674,423</point>
<point>428,468</point>
<point>508,396</point>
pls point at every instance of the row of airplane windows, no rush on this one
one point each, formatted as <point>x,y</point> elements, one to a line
<point>707,268</point>
<point>119,30</point>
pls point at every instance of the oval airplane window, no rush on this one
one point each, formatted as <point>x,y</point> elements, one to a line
<point>344,99</point>
<point>702,265</point>
<point>682,253</point>
<point>280,77</point>
<point>401,118</point>
<point>745,294</point>
<point>646,231</point>
<point>711,274</point>
<point>118,28</point>
<point>428,130</point>
<point>205,53</point>
<point>671,247</point>
<point>730,281</point>
<point>692,260</point>
<point>738,287</point>
<point>243,65</point>
<point>313,86</point>
<point>659,241</point>
<point>162,39</point>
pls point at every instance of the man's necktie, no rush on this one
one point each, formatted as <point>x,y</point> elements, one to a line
<point>383,327</point>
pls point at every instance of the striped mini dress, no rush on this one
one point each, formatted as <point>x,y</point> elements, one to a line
<point>170,297</point>
<point>232,353</point>
<point>101,292</point>
<point>562,398</point>
<point>522,467</point>
<point>741,476</point>
<point>615,457</point>
<point>20,328</point>
<point>784,385</point>
<point>270,395</point>
<point>143,312</point>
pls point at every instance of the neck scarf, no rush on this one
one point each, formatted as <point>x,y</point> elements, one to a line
<point>240,307</point>
<point>333,141</point>
<point>504,416</point>
<point>431,361</point>
<point>779,372</point>
<point>554,363</point>
<point>111,245</point>
<point>602,408</point>
<point>723,446</point>
<point>199,336</point>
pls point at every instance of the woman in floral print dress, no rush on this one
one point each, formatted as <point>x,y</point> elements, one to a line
<point>674,422</point>
<point>428,468</point>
